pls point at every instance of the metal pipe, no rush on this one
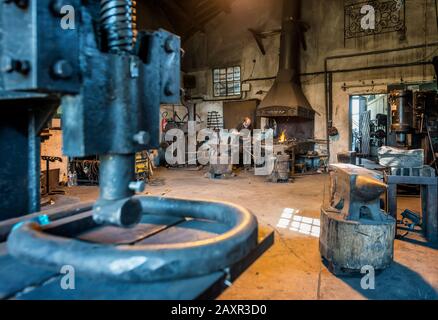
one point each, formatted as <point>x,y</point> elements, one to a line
<point>436,13</point>
<point>115,205</point>
<point>124,213</point>
<point>387,66</point>
<point>364,85</point>
<point>317,73</point>
<point>374,52</point>
<point>146,263</point>
<point>327,116</point>
<point>290,38</point>
<point>435,65</point>
<point>116,173</point>
<point>330,110</point>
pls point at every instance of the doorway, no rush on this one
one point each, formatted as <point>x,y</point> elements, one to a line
<point>368,123</point>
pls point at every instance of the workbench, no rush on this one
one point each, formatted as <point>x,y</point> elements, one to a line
<point>429,197</point>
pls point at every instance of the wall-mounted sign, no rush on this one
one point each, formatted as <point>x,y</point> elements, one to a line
<point>366,18</point>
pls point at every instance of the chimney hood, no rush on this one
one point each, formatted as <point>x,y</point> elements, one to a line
<point>286,98</point>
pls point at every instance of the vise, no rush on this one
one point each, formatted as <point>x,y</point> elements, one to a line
<point>355,232</point>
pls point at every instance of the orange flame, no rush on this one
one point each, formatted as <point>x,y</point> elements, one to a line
<point>283,137</point>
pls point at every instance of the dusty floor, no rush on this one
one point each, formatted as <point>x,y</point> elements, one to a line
<point>292,268</point>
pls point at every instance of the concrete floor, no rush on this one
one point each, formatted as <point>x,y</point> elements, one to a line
<point>292,268</point>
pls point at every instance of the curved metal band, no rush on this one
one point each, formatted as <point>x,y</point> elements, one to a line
<point>146,263</point>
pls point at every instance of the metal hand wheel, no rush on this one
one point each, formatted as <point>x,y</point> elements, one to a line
<point>146,263</point>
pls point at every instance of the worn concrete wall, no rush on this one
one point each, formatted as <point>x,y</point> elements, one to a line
<point>227,42</point>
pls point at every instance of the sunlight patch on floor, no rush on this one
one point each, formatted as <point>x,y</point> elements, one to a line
<point>291,220</point>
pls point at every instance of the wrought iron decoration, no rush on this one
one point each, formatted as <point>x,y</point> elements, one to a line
<point>389,17</point>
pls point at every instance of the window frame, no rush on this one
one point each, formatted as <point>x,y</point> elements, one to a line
<point>231,83</point>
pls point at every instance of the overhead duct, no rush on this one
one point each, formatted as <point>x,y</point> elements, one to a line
<point>286,98</point>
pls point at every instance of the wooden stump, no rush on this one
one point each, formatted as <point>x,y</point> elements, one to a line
<point>348,246</point>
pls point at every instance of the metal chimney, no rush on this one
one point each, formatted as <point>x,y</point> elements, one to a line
<point>286,98</point>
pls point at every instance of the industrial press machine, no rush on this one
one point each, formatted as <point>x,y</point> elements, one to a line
<point>109,78</point>
<point>414,120</point>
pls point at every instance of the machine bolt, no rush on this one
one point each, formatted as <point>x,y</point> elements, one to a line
<point>168,90</point>
<point>137,186</point>
<point>169,45</point>
<point>9,64</point>
<point>62,69</point>
<point>142,138</point>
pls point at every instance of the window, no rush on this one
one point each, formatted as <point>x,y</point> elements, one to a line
<point>226,82</point>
